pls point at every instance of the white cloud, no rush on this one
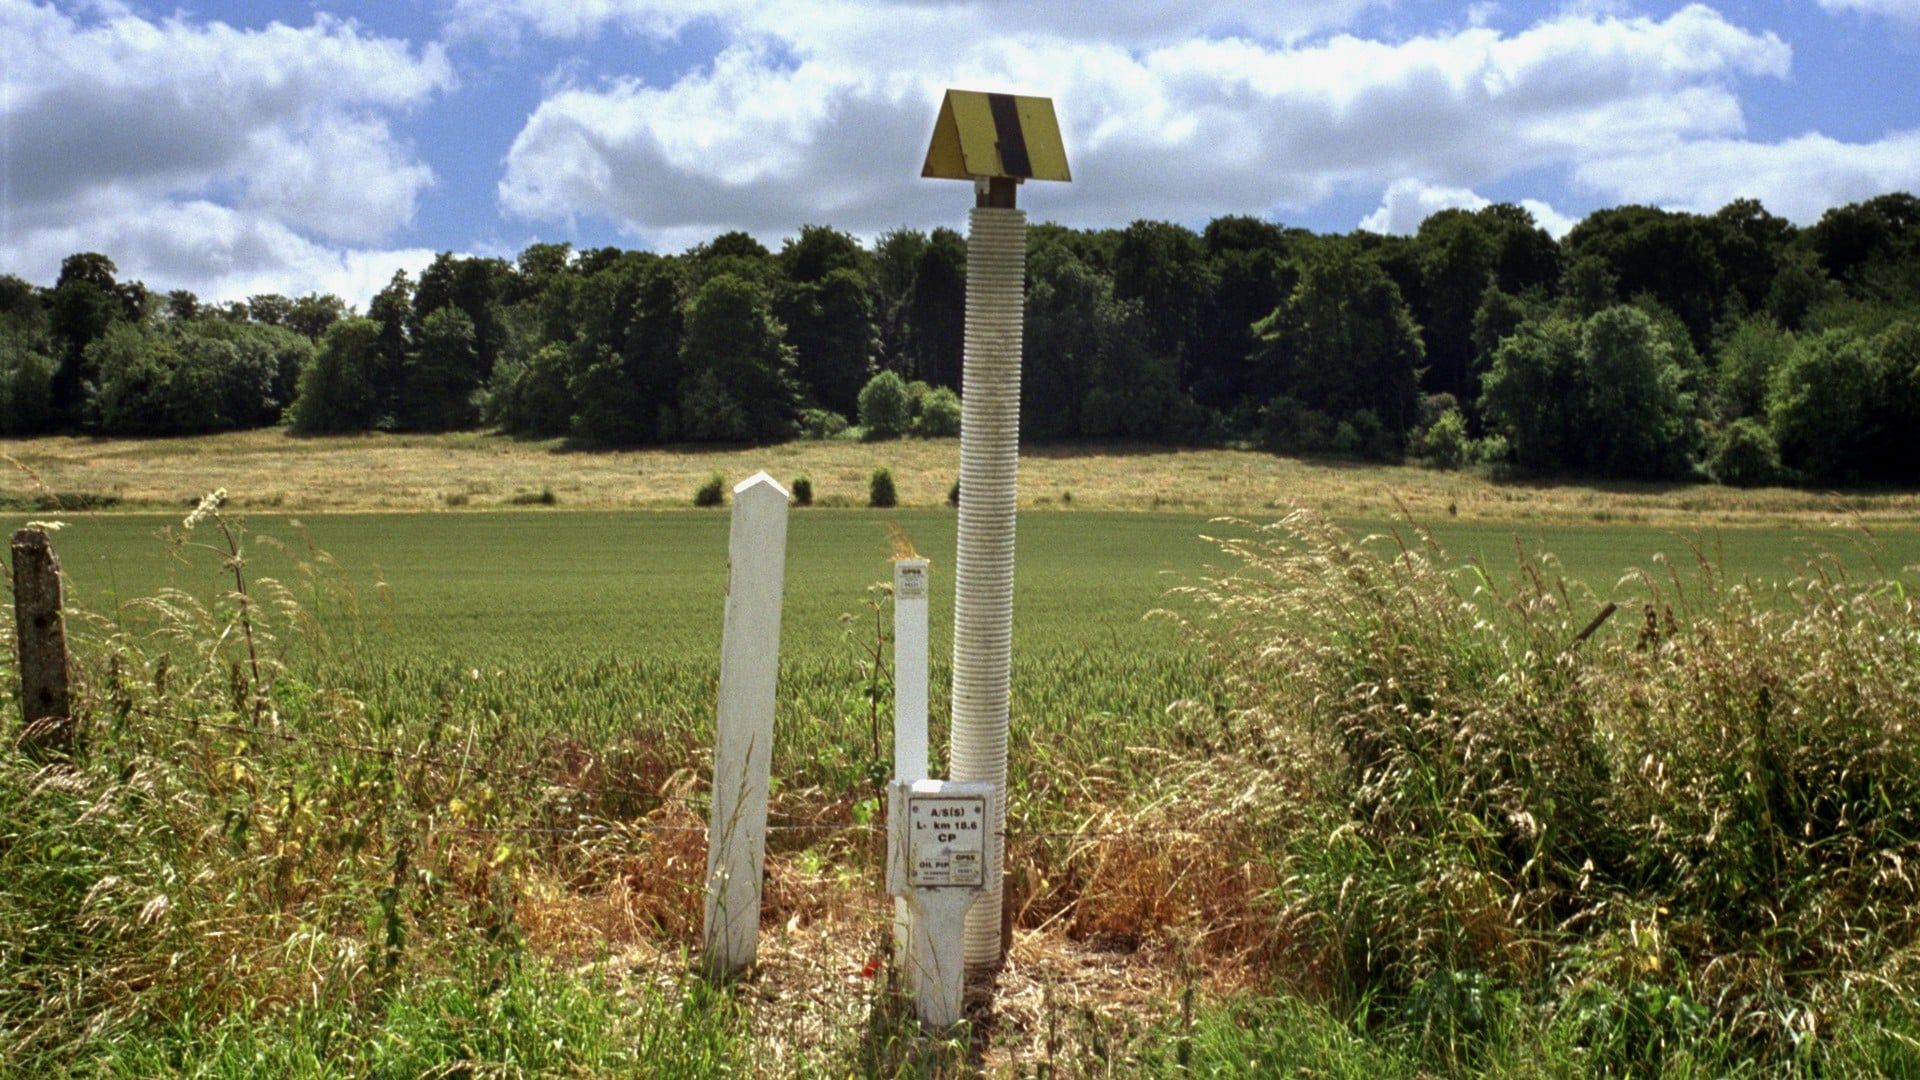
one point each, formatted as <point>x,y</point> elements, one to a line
<point>346,178</point>
<point>1407,203</point>
<point>824,116</point>
<point>746,145</point>
<point>1132,22</point>
<point>219,252</point>
<point>1556,223</point>
<point>120,127</point>
<point>1797,178</point>
<point>1902,11</point>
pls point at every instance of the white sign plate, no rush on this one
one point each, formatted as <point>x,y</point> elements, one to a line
<point>910,581</point>
<point>947,840</point>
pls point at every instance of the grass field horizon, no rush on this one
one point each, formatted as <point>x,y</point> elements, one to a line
<point>272,470</point>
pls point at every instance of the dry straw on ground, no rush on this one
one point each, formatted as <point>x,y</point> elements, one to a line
<point>1121,920</point>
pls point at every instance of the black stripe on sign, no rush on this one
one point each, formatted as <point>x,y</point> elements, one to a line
<point>1013,144</point>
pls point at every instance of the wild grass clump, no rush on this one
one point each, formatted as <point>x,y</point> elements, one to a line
<point>213,854</point>
<point>1699,834</point>
<point>245,871</point>
<point>1770,796</point>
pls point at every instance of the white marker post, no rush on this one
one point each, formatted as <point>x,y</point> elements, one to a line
<point>938,861</point>
<point>910,669</point>
<point>743,744</point>
<point>909,706</point>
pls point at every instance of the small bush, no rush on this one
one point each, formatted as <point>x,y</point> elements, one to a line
<point>1492,450</point>
<point>940,414</point>
<point>821,424</point>
<point>917,391</point>
<point>1376,442</point>
<point>543,497</point>
<point>802,491</point>
<point>1346,439</point>
<point>711,493</point>
<point>1288,427</point>
<point>880,491</point>
<point>1744,455</point>
<point>1435,406</point>
<point>953,495</point>
<point>1843,406</point>
<point>886,409</point>
<point>1444,443</point>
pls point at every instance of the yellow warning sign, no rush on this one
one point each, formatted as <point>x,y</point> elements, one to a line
<point>981,135</point>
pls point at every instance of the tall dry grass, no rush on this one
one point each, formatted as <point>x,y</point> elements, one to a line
<point>1695,829</point>
<point>242,870</point>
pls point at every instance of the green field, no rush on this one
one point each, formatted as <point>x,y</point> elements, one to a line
<point>497,586</point>
<point>603,626</point>
<point>516,587</point>
<point>607,623</point>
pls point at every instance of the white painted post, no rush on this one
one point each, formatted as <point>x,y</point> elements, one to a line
<point>910,669</point>
<point>743,743</point>
<point>909,704</point>
<point>937,862</point>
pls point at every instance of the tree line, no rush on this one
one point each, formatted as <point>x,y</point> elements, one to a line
<point>1645,343</point>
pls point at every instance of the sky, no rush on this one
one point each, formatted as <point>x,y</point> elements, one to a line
<point>295,146</point>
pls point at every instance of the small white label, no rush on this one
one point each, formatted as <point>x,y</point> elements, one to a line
<point>947,840</point>
<point>910,581</point>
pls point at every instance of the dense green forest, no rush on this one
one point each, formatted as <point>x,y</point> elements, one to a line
<point>1646,343</point>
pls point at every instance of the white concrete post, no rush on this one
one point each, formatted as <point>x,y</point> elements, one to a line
<point>937,862</point>
<point>910,669</point>
<point>743,743</point>
<point>909,704</point>
<point>983,564</point>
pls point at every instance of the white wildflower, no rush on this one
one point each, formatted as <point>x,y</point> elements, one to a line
<point>209,503</point>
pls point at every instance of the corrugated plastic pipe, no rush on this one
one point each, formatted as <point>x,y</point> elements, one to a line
<point>983,568</point>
